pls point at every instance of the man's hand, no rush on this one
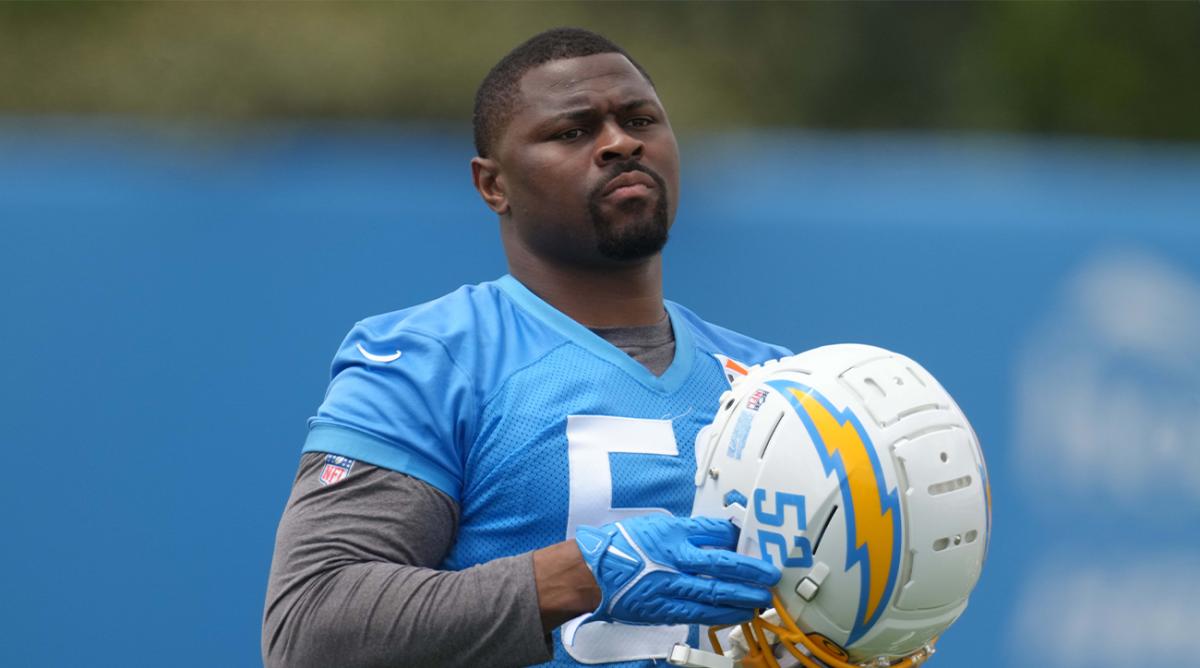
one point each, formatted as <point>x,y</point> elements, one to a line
<point>654,569</point>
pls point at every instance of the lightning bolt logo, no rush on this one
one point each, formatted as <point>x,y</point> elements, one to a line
<point>872,511</point>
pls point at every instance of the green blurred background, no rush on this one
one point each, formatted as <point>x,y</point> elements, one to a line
<point>1110,69</point>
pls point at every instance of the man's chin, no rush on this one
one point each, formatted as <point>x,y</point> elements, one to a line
<point>631,229</point>
<point>641,241</point>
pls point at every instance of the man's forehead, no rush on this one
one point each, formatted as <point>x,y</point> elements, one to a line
<point>571,80</point>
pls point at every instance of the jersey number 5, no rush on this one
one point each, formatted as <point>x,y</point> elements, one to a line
<point>590,440</point>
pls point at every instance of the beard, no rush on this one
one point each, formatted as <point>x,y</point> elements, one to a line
<point>644,232</point>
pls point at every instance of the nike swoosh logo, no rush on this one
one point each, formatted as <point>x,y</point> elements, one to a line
<point>378,358</point>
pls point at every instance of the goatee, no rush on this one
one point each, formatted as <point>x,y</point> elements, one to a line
<point>642,235</point>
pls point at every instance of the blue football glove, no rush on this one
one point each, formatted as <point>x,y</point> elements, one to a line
<point>653,569</point>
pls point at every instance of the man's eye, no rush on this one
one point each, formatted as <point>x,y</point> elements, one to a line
<point>573,133</point>
<point>639,122</point>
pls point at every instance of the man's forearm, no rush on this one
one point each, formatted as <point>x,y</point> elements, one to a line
<point>565,586</point>
<point>377,614</point>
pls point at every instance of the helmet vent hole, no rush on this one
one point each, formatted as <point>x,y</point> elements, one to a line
<point>941,544</point>
<point>945,457</point>
<point>972,535</point>
<point>915,376</point>
<point>729,404</point>
<point>871,382</point>
<point>947,486</point>
<point>824,527</point>
<point>770,435</point>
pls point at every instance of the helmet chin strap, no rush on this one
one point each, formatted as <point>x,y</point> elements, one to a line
<point>761,654</point>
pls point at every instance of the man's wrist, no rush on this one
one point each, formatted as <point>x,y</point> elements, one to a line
<point>565,585</point>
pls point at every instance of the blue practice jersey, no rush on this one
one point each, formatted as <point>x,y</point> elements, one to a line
<point>533,424</point>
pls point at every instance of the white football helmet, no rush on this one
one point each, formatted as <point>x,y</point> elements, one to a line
<point>851,469</point>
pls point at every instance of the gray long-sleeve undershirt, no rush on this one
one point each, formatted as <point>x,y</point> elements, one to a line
<point>353,581</point>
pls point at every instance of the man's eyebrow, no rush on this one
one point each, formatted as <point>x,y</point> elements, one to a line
<point>636,104</point>
<point>578,114</point>
<point>589,112</point>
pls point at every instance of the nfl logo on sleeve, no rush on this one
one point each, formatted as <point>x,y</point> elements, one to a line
<point>336,468</point>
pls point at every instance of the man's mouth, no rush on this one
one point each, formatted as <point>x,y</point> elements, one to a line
<point>629,184</point>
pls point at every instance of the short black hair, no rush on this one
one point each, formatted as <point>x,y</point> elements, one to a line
<point>497,95</point>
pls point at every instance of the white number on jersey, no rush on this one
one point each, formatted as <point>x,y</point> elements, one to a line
<point>590,440</point>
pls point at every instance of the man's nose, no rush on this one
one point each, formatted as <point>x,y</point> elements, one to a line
<point>616,145</point>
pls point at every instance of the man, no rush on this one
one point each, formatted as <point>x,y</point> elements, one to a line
<point>456,497</point>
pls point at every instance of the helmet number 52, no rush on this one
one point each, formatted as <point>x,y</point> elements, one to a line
<point>799,553</point>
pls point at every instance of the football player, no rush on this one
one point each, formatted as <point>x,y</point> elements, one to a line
<point>504,475</point>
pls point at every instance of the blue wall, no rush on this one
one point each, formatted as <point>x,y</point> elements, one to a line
<point>171,298</point>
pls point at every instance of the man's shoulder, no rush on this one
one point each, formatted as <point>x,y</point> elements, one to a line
<point>468,309</point>
<point>476,328</point>
<point>715,339</point>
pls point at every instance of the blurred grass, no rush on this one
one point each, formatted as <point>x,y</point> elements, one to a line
<point>1110,69</point>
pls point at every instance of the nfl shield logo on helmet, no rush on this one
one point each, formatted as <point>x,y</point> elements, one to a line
<point>336,468</point>
<point>756,400</point>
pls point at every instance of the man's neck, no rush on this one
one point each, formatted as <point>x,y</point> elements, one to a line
<point>625,295</point>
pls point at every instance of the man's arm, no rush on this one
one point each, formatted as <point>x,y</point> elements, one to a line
<point>352,581</point>
<point>565,585</point>
<point>352,584</point>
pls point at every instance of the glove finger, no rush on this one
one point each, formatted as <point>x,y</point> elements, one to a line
<point>712,532</point>
<point>662,609</point>
<point>726,565</point>
<point>714,615</point>
<point>720,616</point>
<point>718,593</point>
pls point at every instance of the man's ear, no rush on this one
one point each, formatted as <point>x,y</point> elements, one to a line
<point>485,172</point>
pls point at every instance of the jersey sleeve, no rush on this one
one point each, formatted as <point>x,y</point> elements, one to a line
<point>398,401</point>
